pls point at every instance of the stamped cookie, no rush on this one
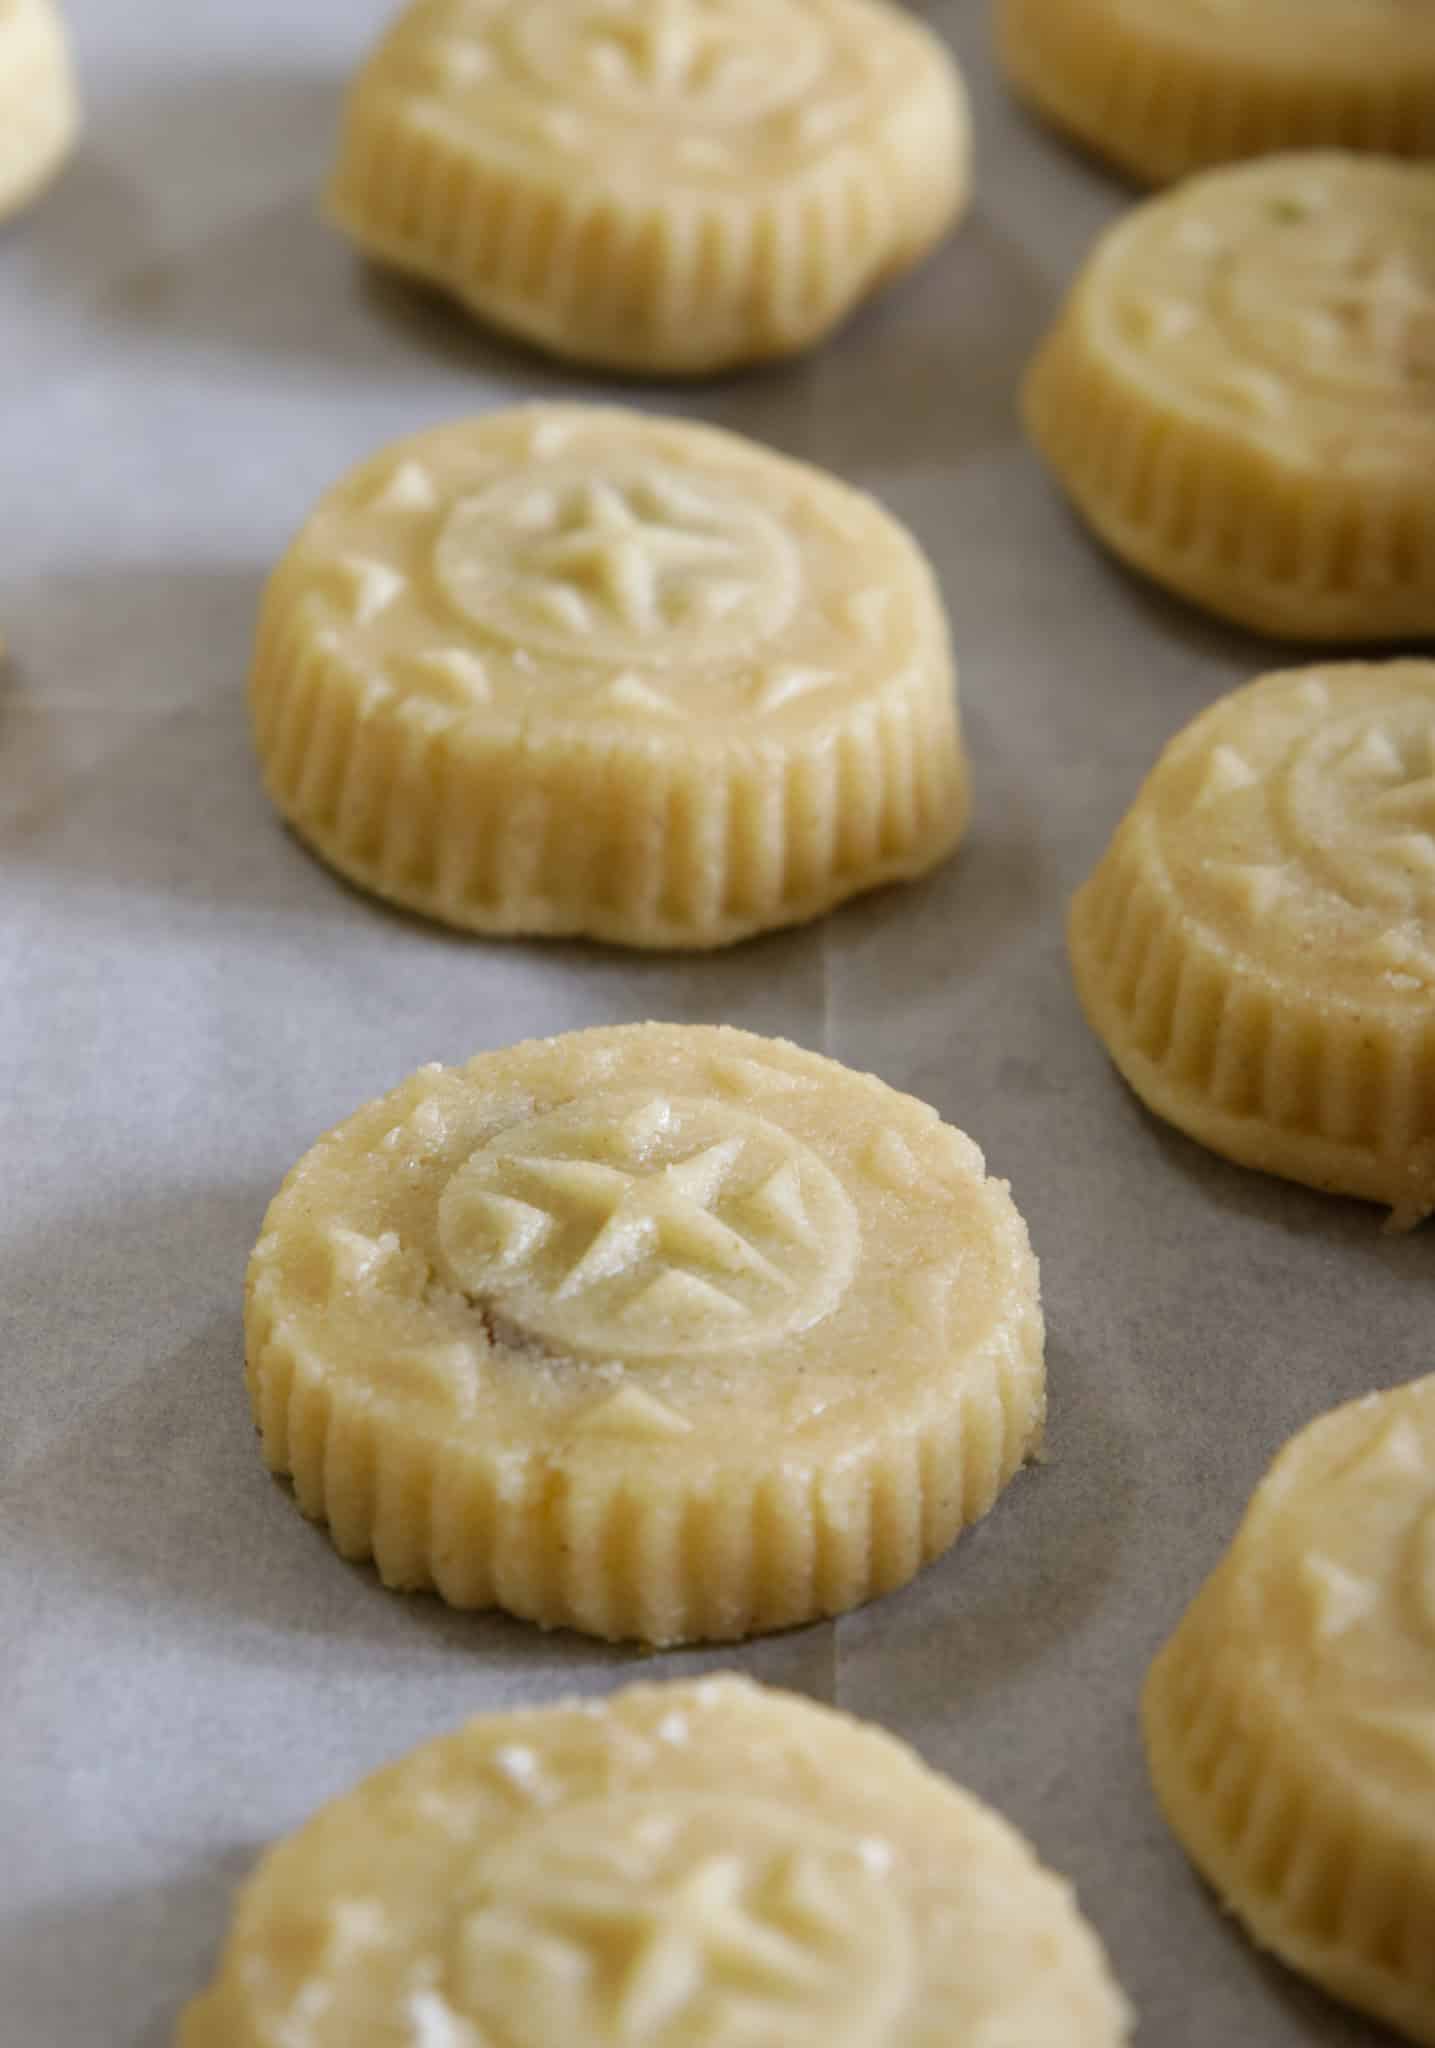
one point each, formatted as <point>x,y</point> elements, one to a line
<point>1257,946</point>
<point>1290,1721</point>
<point>1240,395</point>
<point>1164,90</point>
<point>711,1865</point>
<point>39,111</point>
<point>664,1332</point>
<point>672,186</point>
<point>567,669</point>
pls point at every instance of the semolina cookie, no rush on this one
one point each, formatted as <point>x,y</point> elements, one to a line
<point>1163,90</point>
<point>39,110</point>
<point>710,1865</point>
<point>568,669</point>
<point>1290,1721</point>
<point>1240,395</point>
<point>1257,946</point>
<point>659,186</point>
<point>664,1332</point>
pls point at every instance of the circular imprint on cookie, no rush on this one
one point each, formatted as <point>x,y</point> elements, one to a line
<point>628,561</point>
<point>644,1226</point>
<point>663,1919</point>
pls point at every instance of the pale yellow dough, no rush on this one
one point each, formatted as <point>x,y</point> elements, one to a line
<point>1257,946</point>
<point>1166,87</point>
<point>571,669</point>
<point>39,109</point>
<point>662,1332</point>
<point>1290,1721</point>
<point>670,186</point>
<point>1240,395</point>
<point>711,1865</point>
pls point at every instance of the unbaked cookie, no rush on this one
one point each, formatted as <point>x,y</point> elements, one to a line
<point>1163,90</point>
<point>39,110</point>
<point>670,186</point>
<point>570,669</point>
<point>1290,1721</point>
<point>1240,395</point>
<point>1257,946</point>
<point>711,1865</point>
<point>663,1332</point>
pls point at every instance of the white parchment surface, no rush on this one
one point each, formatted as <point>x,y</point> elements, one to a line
<point>187,357</point>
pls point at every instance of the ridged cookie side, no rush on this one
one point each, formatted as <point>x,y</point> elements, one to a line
<point>567,1542</point>
<point>1334,1095</point>
<point>1218,518</point>
<point>616,834</point>
<point>678,279</point>
<point>1161,111</point>
<point>1344,1896</point>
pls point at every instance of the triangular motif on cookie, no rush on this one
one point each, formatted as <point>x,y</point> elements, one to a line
<point>369,586</point>
<point>408,487</point>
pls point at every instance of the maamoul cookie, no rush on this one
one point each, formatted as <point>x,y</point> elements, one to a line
<point>1257,946</point>
<point>711,1865</point>
<point>1163,90</point>
<point>1290,1721</point>
<point>39,111</point>
<point>1240,395</point>
<point>566,669</point>
<point>669,186</point>
<point>664,1332</point>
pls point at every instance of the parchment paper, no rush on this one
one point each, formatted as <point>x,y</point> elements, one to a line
<point>187,357</point>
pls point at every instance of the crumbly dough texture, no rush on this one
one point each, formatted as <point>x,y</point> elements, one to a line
<point>710,1865</point>
<point>672,186</point>
<point>1257,946</point>
<point>1239,395</point>
<point>664,1332</point>
<point>39,110</point>
<point>574,669</point>
<point>1290,1721</point>
<point>1162,90</point>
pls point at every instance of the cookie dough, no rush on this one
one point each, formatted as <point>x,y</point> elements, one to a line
<point>39,107</point>
<point>1256,948</point>
<point>1162,90</point>
<point>711,1865</point>
<point>1239,395</point>
<point>672,186</point>
<point>572,669</point>
<point>1290,1721</point>
<point>663,1332</point>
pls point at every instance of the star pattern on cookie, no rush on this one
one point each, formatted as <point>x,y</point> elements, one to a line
<point>667,1213</point>
<point>636,554</point>
<point>711,1934</point>
<point>691,50</point>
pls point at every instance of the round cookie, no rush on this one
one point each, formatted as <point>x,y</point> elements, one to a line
<point>1257,946</point>
<point>673,186</point>
<point>567,669</point>
<point>1239,395</point>
<point>664,1332</point>
<point>712,1865</point>
<point>39,112</point>
<point>1290,1721</point>
<point>1163,90</point>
